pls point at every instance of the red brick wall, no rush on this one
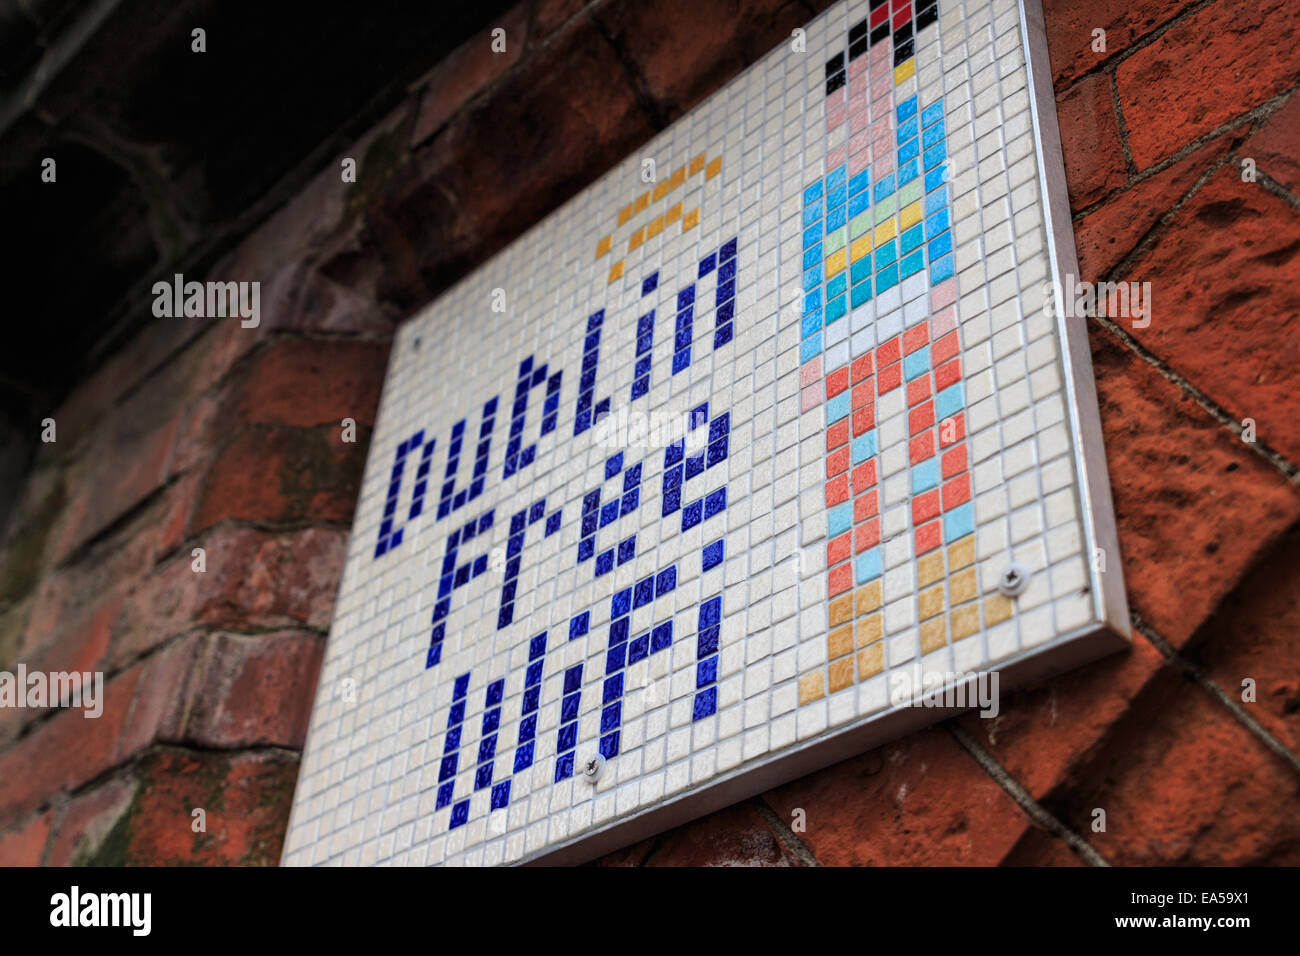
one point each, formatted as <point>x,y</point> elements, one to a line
<point>206,435</point>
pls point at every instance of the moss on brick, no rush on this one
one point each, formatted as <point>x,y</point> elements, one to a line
<point>26,546</point>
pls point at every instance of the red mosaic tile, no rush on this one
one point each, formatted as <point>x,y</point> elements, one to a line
<point>920,417</point>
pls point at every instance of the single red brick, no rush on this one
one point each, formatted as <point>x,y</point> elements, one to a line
<point>24,845</point>
<point>282,475</point>
<point>1090,142</point>
<point>1275,146</point>
<point>167,692</point>
<point>920,801</point>
<point>1207,69</point>
<point>256,691</point>
<point>1194,507</point>
<point>1243,245</point>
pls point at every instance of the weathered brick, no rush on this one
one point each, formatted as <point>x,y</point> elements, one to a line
<point>254,581</point>
<point>1090,143</point>
<point>736,836</point>
<point>283,475</point>
<point>468,70</point>
<point>1275,146</point>
<point>1225,270</point>
<point>1070,24</point>
<point>1194,506</point>
<point>245,798</point>
<point>306,383</point>
<point>65,751</point>
<point>921,801</point>
<point>1186,784</point>
<point>256,690</point>
<point>1210,67</point>
<point>168,688</point>
<point>680,62</point>
<point>90,830</point>
<point>1253,635</point>
<point>537,141</point>
<point>1111,231</point>
<point>24,845</point>
<point>1043,731</point>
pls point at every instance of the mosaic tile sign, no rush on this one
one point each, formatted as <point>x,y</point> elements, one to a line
<point>767,440</point>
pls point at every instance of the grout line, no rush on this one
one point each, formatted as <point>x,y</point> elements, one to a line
<point>1023,798</point>
<point>1214,690</point>
<point>1129,165</point>
<point>784,834</point>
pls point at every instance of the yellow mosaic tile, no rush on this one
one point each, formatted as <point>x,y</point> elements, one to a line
<point>679,177</point>
<point>673,214</point>
<point>934,634</point>
<point>841,674</point>
<point>841,610</point>
<point>603,246</point>
<point>868,598</point>
<point>811,687</point>
<point>616,271</point>
<point>930,602</point>
<point>636,239</point>
<point>625,214</point>
<point>713,169</point>
<point>962,586</point>
<point>836,262</point>
<point>692,219</point>
<point>840,642</point>
<point>965,621</point>
<point>655,227</point>
<point>870,630</point>
<point>997,608</point>
<point>904,72</point>
<point>961,553</point>
<point>871,661</point>
<point>884,232</point>
<point>660,190</point>
<point>697,164</point>
<point>929,568</point>
<point>860,247</point>
<point>911,215</point>
<point>642,201</point>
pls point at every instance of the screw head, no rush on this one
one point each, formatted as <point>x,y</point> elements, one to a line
<point>593,768</point>
<point>1014,579</point>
